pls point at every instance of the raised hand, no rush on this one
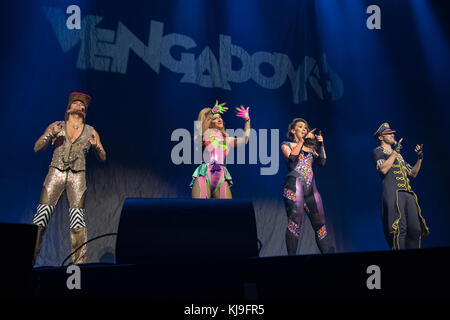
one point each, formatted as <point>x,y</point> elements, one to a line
<point>398,146</point>
<point>310,134</point>
<point>419,151</point>
<point>55,127</point>
<point>93,141</point>
<point>319,137</point>
<point>243,113</point>
<point>219,108</point>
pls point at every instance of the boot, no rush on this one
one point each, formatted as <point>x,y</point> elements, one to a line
<point>38,245</point>
<point>323,245</point>
<point>78,236</point>
<point>291,243</point>
<point>41,219</point>
<point>322,239</point>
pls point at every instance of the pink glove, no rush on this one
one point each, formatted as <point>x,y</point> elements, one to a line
<point>243,113</point>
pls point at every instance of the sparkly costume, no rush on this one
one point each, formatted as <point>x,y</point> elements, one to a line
<point>67,172</point>
<point>300,193</point>
<point>403,224</point>
<point>214,174</point>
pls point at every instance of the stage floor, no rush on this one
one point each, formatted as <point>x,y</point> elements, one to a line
<point>407,274</point>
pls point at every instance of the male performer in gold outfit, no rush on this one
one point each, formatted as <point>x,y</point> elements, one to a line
<point>71,140</point>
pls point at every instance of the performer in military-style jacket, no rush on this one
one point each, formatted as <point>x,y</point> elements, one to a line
<point>403,224</point>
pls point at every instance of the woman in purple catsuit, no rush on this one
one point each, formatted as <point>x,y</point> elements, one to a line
<point>300,191</point>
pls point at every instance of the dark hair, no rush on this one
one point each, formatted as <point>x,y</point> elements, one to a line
<point>311,143</point>
<point>291,126</point>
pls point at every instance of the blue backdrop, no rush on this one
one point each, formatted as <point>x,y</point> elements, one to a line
<point>151,66</point>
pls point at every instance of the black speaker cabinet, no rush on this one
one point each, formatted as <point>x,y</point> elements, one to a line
<point>17,248</point>
<point>152,230</point>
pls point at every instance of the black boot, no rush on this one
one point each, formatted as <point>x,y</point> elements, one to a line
<point>322,239</point>
<point>41,219</point>
<point>291,243</point>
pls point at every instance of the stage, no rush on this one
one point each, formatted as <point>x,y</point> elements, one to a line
<point>404,275</point>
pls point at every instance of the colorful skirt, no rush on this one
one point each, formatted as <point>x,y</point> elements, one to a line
<point>215,175</point>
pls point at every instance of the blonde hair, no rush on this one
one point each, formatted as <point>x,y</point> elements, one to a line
<point>203,114</point>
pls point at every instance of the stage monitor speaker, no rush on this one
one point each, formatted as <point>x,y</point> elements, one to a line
<point>155,230</point>
<point>17,249</point>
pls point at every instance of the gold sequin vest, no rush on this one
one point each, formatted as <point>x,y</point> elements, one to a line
<point>68,155</point>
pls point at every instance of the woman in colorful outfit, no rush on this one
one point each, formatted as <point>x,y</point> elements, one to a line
<point>300,191</point>
<point>211,179</point>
